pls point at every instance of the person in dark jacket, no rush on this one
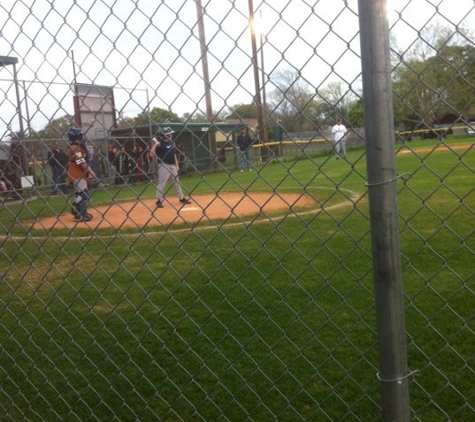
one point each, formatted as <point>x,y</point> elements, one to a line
<point>58,160</point>
<point>244,142</point>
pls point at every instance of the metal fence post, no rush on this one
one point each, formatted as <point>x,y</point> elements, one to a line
<point>380,139</point>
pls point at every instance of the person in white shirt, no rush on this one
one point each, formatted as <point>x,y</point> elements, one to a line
<point>339,138</point>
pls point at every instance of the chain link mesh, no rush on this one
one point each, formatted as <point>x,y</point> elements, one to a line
<point>254,302</point>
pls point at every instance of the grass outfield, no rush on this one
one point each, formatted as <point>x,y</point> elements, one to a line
<point>268,321</point>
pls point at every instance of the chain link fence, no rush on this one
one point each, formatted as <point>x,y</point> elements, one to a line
<point>259,300</point>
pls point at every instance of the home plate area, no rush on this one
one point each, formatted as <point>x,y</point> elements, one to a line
<point>189,208</point>
<point>143,213</point>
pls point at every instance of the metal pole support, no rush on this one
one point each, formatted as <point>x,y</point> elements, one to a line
<point>382,185</point>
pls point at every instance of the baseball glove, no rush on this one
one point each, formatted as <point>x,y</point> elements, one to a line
<point>94,182</point>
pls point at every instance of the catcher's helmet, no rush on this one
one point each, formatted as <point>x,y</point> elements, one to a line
<point>75,134</point>
<point>165,132</point>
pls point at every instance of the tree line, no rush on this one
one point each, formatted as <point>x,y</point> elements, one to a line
<point>434,78</point>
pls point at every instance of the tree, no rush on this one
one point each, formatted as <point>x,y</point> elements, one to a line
<point>243,111</point>
<point>157,115</point>
<point>337,102</point>
<point>300,109</point>
<point>356,113</point>
<point>194,118</point>
<point>56,129</point>
<point>199,117</point>
<point>293,102</point>
<point>435,78</point>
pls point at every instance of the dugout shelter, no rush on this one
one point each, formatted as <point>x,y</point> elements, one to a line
<point>204,143</point>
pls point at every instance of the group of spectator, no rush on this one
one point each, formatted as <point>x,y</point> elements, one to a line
<point>9,180</point>
<point>120,165</point>
<point>128,164</point>
<point>11,170</point>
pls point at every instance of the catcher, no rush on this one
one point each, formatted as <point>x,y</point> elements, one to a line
<point>78,172</point>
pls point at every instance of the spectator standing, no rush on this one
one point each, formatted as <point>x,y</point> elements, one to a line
<point>244,142</point>
<point>97,165</point>
<point>339,139</point>
<point>117,164</point>
<point>141,165</point>
<point>58,161</point>
<point>17,164</point>
<point>127,164</point>
<point>135,157</point>
<point>182,158</point>
<point>110,160</point>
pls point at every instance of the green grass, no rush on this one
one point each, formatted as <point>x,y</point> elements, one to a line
<point>265,321</point>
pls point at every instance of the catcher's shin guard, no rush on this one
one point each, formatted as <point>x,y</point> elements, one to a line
<point>74,210</point>
<point>79,208</point>
<point>83,215</point>
<point>85,195</point>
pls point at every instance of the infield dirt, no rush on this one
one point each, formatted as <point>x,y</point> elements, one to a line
<point>142,213</point>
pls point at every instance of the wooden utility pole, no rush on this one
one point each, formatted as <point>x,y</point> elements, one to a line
<point>204,59</point>
<point>207,85</point>
<point>258,101</point>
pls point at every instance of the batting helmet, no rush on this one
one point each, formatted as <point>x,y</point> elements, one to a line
<point>165,132</point>
<point>75,134</point>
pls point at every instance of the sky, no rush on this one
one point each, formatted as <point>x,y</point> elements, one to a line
<point>149,51</point>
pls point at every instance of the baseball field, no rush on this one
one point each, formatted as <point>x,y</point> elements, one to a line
<point>254,302</point>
